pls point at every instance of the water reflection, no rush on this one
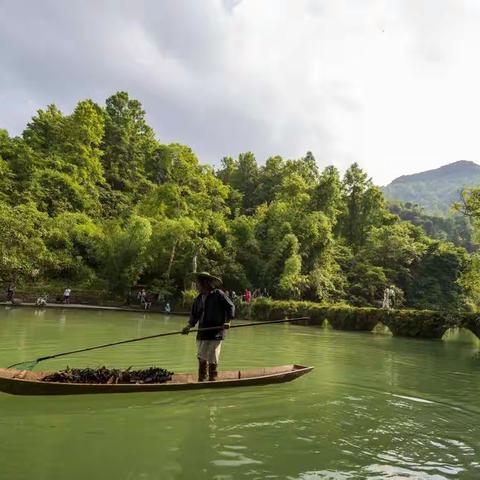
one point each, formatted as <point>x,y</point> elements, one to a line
<point>381,329</point>
<point>461,335</point>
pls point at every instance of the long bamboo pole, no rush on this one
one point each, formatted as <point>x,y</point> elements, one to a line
<point>148,337</point>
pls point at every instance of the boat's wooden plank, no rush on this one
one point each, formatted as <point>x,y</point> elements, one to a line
<point>21,374</point>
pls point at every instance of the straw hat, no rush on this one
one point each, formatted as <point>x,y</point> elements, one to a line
<point>206,275</point>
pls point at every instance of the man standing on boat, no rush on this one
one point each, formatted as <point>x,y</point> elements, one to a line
<point>211,308</point>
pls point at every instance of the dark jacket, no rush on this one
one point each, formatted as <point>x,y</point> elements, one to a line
<point>213,310</point>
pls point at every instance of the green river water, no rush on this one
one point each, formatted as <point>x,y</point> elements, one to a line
<point>375,406</point>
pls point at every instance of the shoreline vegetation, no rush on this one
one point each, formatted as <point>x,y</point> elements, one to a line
<point>403,323</point>
<point>92,201</point>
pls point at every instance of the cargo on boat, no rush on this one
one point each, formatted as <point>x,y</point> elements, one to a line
<point>25,382</point>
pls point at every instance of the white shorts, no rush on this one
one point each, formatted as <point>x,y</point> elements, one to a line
<point>209,350</point>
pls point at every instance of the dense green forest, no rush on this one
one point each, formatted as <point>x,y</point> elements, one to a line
<point>94,200</point>
<point>455,227</point>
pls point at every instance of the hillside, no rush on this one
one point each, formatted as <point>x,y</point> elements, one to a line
<point>435,190</point>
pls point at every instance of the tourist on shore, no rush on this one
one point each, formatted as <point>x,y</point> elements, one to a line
<point>167,308</point>
<point>388,297</point>
<point>11,293</point>
<point>146,303</point>
<point>66,295</point>
<point>42,300</point>
<point>247,296</point>
<point>211,308</point>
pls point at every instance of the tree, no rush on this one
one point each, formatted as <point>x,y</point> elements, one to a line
<point>122,252</point>
<point>270,177</point>
<point>470,203</point>
<point>17,165</point>
<point>326,281</point>
<point>22,245</point>
<point>6,174</point>
<point>57,192</point>
<point>469,281</point>
<point>306,167</point>
<point>291,282</point>
<point>243,264</point>
<point>188,211</point>
<point>328,194</point>
<point>71,237</point>
<point>364,207</point>
<point>44,133</point>
<point>396,249</point>
<point>365,283</point>
<point>127,143</point>
<point>243,176</point>
<point>436,279</point>
<point>66,171</point>
<point>455,228</point>
<point>84,132</point>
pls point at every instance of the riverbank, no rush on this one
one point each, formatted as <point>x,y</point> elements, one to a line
<point>428,324</point>
<point>88,299</point>
<point>83,306</point>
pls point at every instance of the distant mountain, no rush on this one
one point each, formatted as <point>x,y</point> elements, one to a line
<point>435,190</point>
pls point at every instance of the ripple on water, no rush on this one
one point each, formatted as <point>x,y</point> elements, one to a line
<point>234,459</point>
<point>374,472</point>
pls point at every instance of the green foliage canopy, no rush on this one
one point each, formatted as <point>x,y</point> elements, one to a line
<point>94,198</point>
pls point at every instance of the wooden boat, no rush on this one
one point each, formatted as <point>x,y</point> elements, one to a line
<point>25,382</point>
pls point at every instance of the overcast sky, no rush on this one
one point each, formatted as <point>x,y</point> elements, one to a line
<point>392,84</point>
